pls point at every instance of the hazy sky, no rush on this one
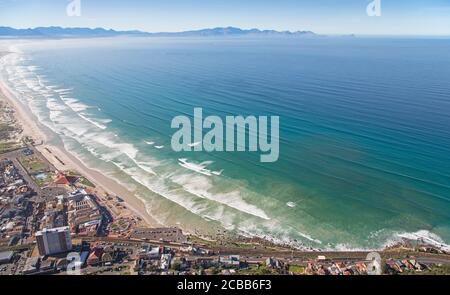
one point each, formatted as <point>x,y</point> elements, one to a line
<point>398,17</point>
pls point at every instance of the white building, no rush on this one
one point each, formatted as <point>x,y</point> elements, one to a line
<point>54,241</point>
<point>165,261</point>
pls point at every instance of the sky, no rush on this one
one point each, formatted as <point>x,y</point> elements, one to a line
<point>398,17</point>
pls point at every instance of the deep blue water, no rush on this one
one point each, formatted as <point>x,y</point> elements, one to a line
<point>364,130</point>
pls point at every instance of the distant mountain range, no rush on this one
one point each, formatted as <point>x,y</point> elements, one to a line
<point>58,32</point>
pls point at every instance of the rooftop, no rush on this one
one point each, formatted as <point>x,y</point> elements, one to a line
<point>6,256</point>
<point>53,230</point>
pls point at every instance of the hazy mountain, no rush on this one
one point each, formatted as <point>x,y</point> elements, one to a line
<point>231,31</point>
<point>58,32</point>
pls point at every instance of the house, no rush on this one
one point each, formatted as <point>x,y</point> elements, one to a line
<point>107,258</point>
<point>95,257</point>
<point>205,262</point>
<point>274,263</point>
<point>149,252</point>
<point>393,267</point>
<point>65,180</point>
<point>361,268</point>
<point>231,260</point>
<point>165,261</point>
<point>180,264</point>
<point>61,264</point>
<point>334,269</point>
<point>139,264</point>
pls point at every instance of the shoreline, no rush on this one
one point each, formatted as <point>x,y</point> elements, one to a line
<point>64,160</point>
<point>57,154</point>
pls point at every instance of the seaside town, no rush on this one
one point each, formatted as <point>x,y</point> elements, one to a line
<point>59,222</point>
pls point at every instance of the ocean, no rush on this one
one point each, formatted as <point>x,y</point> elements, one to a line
<point>364,130</point>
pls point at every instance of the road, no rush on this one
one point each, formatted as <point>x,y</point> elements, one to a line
<point>294,257</point>
<point>13,156</point>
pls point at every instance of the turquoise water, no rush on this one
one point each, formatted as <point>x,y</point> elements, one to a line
<point>364,130</point>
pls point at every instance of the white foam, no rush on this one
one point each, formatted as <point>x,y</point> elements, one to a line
<point>74,104</point>
<point>281,237</point>
<point>218,173</point>
<point>200,186</point>
<point>93,122</point>
<point>199,168</point>
<point>146,167</point>
<point>291,204</point>
<point>161,189</point>
<point>426,237</point>
<point>125,148</point>
<point>53,105</point>
<point>64,90</point>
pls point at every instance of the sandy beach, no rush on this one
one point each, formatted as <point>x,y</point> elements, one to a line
<point>65,161</point>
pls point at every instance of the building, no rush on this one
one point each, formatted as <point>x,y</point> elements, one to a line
<point>31,266</point>
<point>84,215</point>
<point>47,267</point>
<point>6,257</point>
<point>274,263</point>
<point>95,258</point>
<point>148,252</point>
<point>231,260</point>
<point>89,228</point>
<point>165,261</point>
<point>65,180</point>
<point>54,241</point>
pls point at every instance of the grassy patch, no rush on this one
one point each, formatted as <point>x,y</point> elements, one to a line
<point>296,269</point>
<point>37,169</point>
<point>256,270</point>
<point>434,270</point>
<point>85,182</point>
<point>33,164</point>
<point>41,182</point>
<point>8,146</point>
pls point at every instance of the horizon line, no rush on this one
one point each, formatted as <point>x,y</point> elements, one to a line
<point>229,26</point>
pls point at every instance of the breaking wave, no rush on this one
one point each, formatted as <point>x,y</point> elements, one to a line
<point>198,188</point>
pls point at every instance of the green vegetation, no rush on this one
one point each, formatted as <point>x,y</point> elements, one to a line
<point>7,128</point>
<point>443,269</point>
<point>256,270</point>
<point>85,182</point>
<point>43,181</point>
<point>8,146</point>
<point>296,269</point>
<point>33,164</point>
<point>120,225</point>
<point>38,169</point>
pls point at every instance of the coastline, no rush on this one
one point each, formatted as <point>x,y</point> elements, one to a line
<point>63,160</point>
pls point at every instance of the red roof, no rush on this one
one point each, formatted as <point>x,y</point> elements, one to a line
<point>62,179</point>
<point>95,255</point>
<point>65,180</point>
